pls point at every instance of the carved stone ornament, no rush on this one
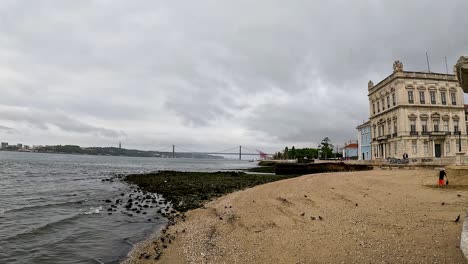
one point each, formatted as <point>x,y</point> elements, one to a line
<point>461,70</point>
<point>370,84</point>
<point>397,66</point>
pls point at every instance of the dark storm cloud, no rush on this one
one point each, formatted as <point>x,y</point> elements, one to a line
<point>264,73</point>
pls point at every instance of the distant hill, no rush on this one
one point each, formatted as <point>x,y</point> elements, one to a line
<point>112,151</point>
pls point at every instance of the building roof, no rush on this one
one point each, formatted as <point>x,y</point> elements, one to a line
<point>413,75</point>
<point>365,124</point>
<point>352,145</point>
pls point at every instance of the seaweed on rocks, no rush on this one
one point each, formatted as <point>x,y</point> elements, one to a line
<point>189,190</point>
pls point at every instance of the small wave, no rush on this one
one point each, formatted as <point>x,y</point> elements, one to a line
<point>19,209</point>
<point>92,210</point>
<point>44,228</point>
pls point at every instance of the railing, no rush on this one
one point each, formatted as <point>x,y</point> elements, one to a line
<point>425,133</point>
<point>448,133</point>
<point>389,136</point>
<point>397,161</point>
<point>395,134</point>
<point>414,133</point>
<point>438,133</point>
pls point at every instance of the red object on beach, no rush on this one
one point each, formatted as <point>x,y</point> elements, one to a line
<point>441,182</point>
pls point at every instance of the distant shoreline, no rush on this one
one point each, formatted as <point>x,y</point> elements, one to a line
<point>144,155</point>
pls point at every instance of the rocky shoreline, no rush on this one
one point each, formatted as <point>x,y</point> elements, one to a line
<point>186,191</point>
<point>189,190</point>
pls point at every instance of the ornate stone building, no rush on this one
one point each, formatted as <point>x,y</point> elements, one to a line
<point>418,113</point>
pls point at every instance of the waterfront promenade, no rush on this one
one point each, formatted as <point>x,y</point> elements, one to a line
<point>379,216</point>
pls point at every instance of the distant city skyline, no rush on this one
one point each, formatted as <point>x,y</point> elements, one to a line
<point>209,75</point>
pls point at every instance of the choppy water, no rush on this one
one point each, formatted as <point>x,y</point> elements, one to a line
<point>53,209</point>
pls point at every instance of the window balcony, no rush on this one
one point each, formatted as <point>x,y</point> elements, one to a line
<point>395,134</point>
<point>448,133</point>
<point>389,136</point>
<point>414,133</point>
<point>438,133</point>
<point>425,133</point>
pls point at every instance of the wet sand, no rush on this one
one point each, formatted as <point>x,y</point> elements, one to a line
<point>380,216</point>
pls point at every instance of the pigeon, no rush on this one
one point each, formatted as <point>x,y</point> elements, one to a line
<point>458,219</point>
<point>302,214</point>
<point>356,204</point>
<point>458,195</point>
<point>313,217</point>
<point>305,196</point>
<point>320,218</point>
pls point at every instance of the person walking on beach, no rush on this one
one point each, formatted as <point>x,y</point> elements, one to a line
<point>442,175</point>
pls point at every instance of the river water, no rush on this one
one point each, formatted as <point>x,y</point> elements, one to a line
<point>53,207</point>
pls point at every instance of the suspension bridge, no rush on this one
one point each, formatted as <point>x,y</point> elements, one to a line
<point>237,150</point>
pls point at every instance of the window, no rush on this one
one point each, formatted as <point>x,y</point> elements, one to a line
<point>457,145</point>
<point>373,108</point>
<point>426,147</point>
<point>395,148</point>
<point>383,104</point>
<point>393,99</point>
<point>422,100</point>
<point>447,148</point>
<point>455,126</point>
<point>415,146</point>
<point>389,128</point>
<point>395,127</point>
<point>378,106</point>
<point>446,126</point>
<point>433,98</point>
<point>375,131</point>
<point>424,125</point>
<point>413,125</point>
<point>388,101</point>
<point>454,98</point>
<point>436,125</point>
<point>410,97</point>
<point>443,98</point>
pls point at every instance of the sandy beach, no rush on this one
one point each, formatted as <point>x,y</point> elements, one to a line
<point>379,216</point>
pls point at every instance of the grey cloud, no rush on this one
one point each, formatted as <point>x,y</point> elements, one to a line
<point>43,120</point>
<point>197,65</point>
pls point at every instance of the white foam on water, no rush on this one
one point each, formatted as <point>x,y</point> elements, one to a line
<point>93,210</point>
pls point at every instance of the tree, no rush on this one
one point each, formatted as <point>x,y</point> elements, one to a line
<point>293,152</point>
<point>326,147</point>
<point>286,153</point>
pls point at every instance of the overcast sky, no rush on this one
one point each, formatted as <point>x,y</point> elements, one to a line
<point>209,75</point>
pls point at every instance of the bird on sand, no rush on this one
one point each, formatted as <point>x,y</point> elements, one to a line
<point>458,219</point>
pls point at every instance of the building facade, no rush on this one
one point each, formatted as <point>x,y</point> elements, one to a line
<point>364,141</point>
<point>350,151</point>
<point>418,113</point>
